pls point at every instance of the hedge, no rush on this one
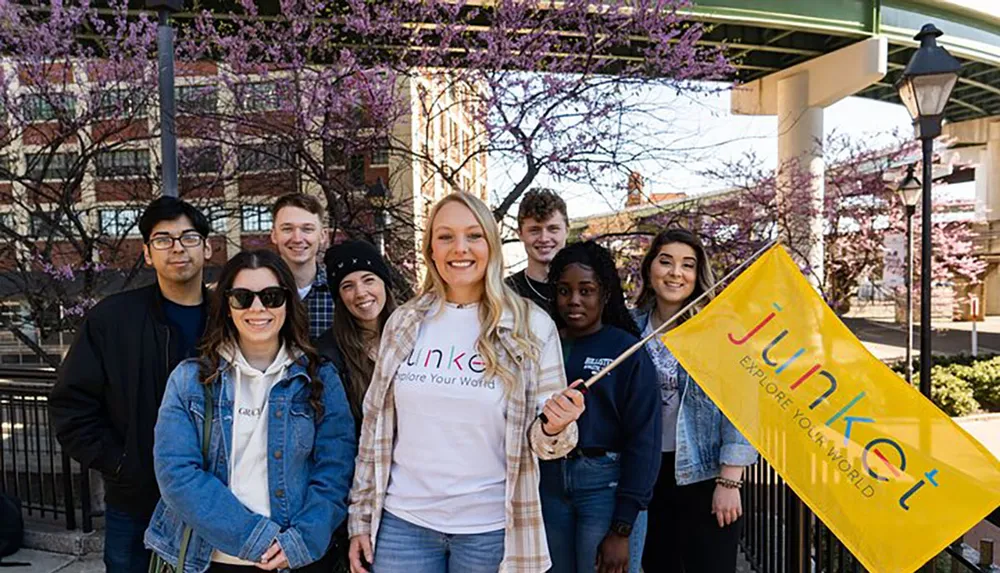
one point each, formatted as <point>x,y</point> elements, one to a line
<point>961,384</point>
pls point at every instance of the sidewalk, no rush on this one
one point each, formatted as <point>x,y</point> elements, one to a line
<point>45,562</point>
<point>887,340</point>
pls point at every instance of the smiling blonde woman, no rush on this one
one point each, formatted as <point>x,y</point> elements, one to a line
<point>447,473</point>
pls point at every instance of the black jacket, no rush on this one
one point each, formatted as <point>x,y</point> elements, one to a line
<point>105,402</point>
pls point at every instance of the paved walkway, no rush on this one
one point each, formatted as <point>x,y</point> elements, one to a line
<point>45,562</point>
<point>887,340</point>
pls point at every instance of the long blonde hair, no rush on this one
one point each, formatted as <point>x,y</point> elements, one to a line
<point>497,296</point>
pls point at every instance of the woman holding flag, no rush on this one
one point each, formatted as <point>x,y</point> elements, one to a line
<point>593,500</point>
<point>447,475</point>
<point>695,515</point>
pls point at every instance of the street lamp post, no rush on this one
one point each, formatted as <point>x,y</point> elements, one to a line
<point>924,88</point>
<point>168,108</point>
<point>909,192</point>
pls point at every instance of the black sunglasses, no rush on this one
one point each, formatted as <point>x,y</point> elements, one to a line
<point>271,297</point>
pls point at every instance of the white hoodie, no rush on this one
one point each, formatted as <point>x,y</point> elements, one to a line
<point>248,461</point>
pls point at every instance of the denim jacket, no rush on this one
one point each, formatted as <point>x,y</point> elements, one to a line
<point>706,439</point>
<point>310,467</point>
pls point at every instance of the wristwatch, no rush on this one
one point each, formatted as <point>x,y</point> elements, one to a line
<point>621,528</point>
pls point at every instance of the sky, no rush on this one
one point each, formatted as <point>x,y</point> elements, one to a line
<point>710,135</point>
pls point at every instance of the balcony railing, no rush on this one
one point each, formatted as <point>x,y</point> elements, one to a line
<point>781,534</point>
<point>33,467</point>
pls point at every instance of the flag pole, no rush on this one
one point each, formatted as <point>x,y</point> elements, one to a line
<point>660,329</point>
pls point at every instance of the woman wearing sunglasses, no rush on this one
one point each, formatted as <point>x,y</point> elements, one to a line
<point>267,486</point>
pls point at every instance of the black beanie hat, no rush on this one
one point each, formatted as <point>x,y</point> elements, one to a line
<point>345,258</point>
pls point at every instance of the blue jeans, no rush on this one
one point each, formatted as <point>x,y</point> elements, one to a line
<point>578,499</point>
<point>123,548</point>
<point>402,547</point>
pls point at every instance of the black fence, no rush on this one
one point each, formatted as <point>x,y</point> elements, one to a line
<point>33,467</point>
<point>781,534</point>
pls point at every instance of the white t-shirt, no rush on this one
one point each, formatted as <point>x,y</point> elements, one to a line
<point>449,460</point>
<point>304,291</point>
<point>248,460</point>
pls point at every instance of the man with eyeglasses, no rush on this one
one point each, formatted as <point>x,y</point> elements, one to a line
<point>110,384</point>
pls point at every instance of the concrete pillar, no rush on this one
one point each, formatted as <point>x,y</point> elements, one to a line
<point>797,96</point>
<point>800,162</point>
<point>988,195</point>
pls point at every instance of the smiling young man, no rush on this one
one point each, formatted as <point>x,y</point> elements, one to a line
<point>105,402</point>
<point>299,235</point>
<point>542,225</point>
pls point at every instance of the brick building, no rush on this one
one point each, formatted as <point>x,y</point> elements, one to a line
<point>94,152</point>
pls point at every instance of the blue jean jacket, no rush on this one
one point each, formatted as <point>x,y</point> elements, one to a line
<point>310,468</point>
<point>706,440</point>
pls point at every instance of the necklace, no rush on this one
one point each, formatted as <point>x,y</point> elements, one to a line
<point>527,279</point>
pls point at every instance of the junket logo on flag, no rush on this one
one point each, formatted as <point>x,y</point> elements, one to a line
<point>821,387</point>
<point>889,473</point>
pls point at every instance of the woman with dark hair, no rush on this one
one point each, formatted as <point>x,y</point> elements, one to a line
<point>593,499</point>
<point>695,514</point>
<point>360,282</point>
<point>268,484</point>
<point>361,285</point>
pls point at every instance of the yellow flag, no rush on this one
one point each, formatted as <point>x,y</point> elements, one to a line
<point>891,475</point>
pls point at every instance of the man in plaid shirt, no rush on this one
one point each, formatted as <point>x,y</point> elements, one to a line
<point>299,234</point>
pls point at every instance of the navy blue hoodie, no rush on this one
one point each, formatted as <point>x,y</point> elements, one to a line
<point>623,412</point>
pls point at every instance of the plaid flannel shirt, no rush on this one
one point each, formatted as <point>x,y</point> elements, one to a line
<point>319,304</point>
<point>525,546</point>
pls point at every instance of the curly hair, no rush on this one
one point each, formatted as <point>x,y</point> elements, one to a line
<point>539,204</point>
<point>599,259</point>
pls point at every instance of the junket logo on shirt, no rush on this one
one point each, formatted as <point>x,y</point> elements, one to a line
<point>450,365</point>
<point>594,365</point>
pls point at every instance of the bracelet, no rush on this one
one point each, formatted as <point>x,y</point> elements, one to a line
<point>729,483</point>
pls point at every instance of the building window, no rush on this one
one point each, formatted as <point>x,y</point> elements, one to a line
<point>333,156</point>
<point>47,107</point>
<point>265,157</point>
<point>12,313</point>
<point>256,219</point>
<point>118,104</point>
<point>7,222</point>
<point>197,99</point>
<point>119,222</point>
<point>44,224</point>
<point>356,171</point>
<point>200,160</point>
<point>49,166</point>
<point>380,155</point>
<point>216,215</point>
<point>123,163</point>
<point>261,96</point>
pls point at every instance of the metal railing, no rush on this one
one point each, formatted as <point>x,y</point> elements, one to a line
<point>781,534</point>
<point>33,466</point>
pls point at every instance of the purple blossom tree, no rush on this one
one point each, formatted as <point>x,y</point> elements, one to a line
<point>544,88</point>
<point>72,116</point>
<point>859,210</point>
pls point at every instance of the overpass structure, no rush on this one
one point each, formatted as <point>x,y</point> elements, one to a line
<point>793,58</point>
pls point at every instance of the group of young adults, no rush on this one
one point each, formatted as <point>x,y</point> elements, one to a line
<point>293,417</point>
